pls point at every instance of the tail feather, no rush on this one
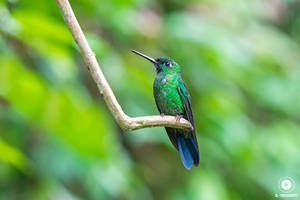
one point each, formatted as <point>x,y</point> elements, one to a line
<point>188,151</point>
<point>184,153</point>
<point>193,150</point>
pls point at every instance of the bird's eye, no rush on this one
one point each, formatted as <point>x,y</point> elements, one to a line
<point>168,64</point>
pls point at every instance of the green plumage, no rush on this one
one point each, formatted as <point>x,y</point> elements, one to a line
<point>166,94</point>
<point>172,98</point>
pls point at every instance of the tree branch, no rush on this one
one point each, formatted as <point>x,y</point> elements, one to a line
<point>125,122</point>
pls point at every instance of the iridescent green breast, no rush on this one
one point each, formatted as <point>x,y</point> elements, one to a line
<point>166,94</point>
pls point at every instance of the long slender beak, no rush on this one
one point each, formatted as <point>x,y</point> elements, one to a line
<point>147,57</point>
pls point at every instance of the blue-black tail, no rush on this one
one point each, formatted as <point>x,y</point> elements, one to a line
<point>188,150</point>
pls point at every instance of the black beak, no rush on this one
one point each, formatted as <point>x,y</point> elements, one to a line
<point>147,57</point>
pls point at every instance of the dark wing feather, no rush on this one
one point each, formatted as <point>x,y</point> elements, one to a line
<point>172,136</point>
<point>186,100</point>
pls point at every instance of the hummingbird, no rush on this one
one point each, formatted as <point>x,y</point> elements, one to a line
<point>172,98</point>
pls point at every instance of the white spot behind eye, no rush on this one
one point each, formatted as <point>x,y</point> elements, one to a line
<point>168,64</point>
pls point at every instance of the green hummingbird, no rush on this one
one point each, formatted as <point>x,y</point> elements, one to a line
<point>172,98</point>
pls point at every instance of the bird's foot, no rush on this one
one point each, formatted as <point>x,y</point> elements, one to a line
<point>178,117</point>
<point>162,114</point>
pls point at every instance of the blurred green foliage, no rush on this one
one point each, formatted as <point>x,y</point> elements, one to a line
<point>239,59</point>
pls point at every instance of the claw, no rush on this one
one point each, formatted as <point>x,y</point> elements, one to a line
<point>178,117</point>
<point>162,114</point>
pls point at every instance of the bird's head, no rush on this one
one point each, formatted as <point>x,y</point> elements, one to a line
<point>162,64</point>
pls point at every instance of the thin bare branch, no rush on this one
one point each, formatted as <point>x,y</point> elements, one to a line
<point>125,122</point>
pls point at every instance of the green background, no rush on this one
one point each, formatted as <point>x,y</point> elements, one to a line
<point>239,60</point>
